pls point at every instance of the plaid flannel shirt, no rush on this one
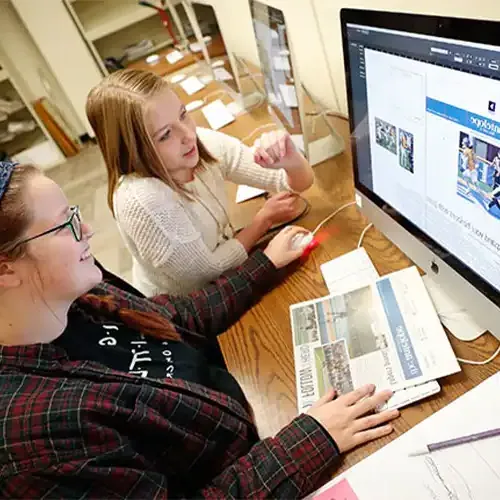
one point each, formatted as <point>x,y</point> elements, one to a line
<point>79,430</point>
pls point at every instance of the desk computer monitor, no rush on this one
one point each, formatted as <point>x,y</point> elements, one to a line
<point>282,87</point>
<point>424,106</point>
<point>203,17</point>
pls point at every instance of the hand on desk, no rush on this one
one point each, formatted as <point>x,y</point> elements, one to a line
<point>349,418</point>
<point>276,150</point>
<point>281,207</point>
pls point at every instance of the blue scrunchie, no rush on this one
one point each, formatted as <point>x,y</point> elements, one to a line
<point>6,169</point>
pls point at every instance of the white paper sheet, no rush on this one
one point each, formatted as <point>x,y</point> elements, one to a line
<point>222,74</point>
<point>174,56</point>
<point>245,193</point>
<point>348,272</point>
<point>192,85</point>
<point>464,472</point>
<point>289,96</point>
<point>191,106</point>
<point>217,114</point>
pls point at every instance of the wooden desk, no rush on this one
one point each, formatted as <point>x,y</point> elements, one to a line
<point>215,49</point>
<point>258,349</point>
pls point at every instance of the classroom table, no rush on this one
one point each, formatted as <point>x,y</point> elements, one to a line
<point>258,349</point>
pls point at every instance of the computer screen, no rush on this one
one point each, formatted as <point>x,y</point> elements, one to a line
<point>207,20</point>
<point>277,69</point>
<point>425,114</point>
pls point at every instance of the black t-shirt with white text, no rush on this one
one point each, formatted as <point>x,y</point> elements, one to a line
<point>121,348</point>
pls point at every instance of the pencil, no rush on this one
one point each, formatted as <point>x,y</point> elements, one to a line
<point>455,442</point>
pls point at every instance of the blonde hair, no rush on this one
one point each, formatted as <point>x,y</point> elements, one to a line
<point>116,109</point>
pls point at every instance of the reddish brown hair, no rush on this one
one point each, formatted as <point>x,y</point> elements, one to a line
<point>16,217</point>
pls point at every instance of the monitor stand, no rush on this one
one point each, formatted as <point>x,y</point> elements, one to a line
<point>326,147</point>
<point>453,316</point>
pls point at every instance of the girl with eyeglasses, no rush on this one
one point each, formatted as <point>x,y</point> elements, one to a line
<point>107,394</point>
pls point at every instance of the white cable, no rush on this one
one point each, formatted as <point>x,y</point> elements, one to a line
<point>332,215</point>
<point>481,363</point>
<point>360,242</point>
<point>262,127</point>
<point>212,94</point>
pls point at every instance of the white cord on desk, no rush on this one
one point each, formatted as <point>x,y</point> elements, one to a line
<point>205,99</point>
<point>360,242</point>
<point>365,230</point>
<point>262,127</point>
<point>480,363</point>
<point>332,215</point>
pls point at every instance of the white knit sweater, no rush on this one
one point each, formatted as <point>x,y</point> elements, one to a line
<point>176,244</point>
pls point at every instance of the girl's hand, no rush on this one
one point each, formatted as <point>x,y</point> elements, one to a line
<point>350,420</point>
<point>279,250</point>
<point>276,150</point>
<point>280,208</point>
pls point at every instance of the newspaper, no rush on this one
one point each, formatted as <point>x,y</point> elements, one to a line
<point>386,333</point>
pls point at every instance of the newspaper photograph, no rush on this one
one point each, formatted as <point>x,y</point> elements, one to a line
<point>386,333</point>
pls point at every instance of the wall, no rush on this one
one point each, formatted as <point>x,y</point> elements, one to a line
<point>63,48</point>
<point>314,27</point>
<point>24,61</point>
<point>235,23</point>
<point>319,51</point>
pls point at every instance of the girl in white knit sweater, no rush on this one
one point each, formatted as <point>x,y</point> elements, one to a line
<point>166,183</point>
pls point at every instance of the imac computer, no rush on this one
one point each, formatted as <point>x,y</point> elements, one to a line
<point>205,23</point>
<point>300,113</point>
<point>424,107</point>
<point>281,84</point>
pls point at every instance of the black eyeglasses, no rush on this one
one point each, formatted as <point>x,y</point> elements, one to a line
<point>74,223</point>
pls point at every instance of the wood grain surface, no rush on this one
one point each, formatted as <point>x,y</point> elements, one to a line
<point>258,349</point>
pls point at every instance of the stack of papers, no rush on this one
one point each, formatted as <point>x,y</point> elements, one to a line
<point>217,114</point>
<point>376,330</point>
<point>192,85</point>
